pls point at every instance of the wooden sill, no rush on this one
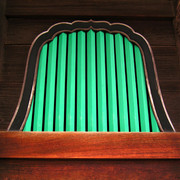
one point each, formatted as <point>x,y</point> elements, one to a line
<point>89,145</point>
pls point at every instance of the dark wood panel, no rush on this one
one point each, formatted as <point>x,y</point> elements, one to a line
<point>177,28</point>
<point>177,19</point>
<point>167,67</point>
<point>170,86</point>
<point>24,31</point>
<point>2,30</point>
<point>13,66</point>
<point>164,51</point>
<point>9,96</point>
<point>172,102</point>
<point>89,169</point>
<point>91,145</point>
<point>11,79</point>
<point>138,8</point>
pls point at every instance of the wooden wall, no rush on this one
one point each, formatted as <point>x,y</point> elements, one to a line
<point>21,21</point>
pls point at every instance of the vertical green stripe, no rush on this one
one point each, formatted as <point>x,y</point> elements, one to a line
<point>143,104</point>
<point>60,86</point>
<point>101,83</point>
<point>28,124</point>
<point>71,73</point>
<point>121,83</point>
<point>50,86</point>
<point>91,81</point>
<point>40,86</point>
<point>154,124</point>
<point>81,84</point>
<point>111,82</point>
<point>132,95</point>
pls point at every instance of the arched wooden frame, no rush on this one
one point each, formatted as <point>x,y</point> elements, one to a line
<point>23,107</point>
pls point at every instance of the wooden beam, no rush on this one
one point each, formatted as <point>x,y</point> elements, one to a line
<point>123,8</point>
<point>85,145</point>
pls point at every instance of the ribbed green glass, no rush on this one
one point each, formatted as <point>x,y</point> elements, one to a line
<point>143,104</point>
<point>50,86</point>
<point>101,83</point>
<point>91,81</point>
<point>40,90</point>
<point>110,73</point>
<point>60,84</point>
<point>111,82</point>
<point>81,82</point>
<point>71,77</point>
<point>131,83</point>
<point>121,82</point>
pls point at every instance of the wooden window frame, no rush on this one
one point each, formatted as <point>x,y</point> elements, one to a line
<point>24,104</point>
<point>90,145</point>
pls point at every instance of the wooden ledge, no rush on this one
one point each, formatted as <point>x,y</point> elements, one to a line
<point>87,145</point>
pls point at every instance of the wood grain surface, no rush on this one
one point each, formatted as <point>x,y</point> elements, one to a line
<point>75,145</point>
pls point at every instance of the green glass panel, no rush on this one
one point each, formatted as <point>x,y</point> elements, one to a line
<point>121,83</point>
<point>131,82</point>
<point>101,83</point>
<point>60,86</point>
<point>110,53</point>
<point>28,124</point>
<point>91,81</point>
<point>40,86</point>
<point>71,77</point>
<point>141,83</point>
<point>111,82</point>
<point>81,83</point>
<point>50,86</point>
<point>154,124</point>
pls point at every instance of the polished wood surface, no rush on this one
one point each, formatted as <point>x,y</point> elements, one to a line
<point>89,145</point>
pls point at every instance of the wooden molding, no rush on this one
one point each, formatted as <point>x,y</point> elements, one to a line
<point>89,145</point>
